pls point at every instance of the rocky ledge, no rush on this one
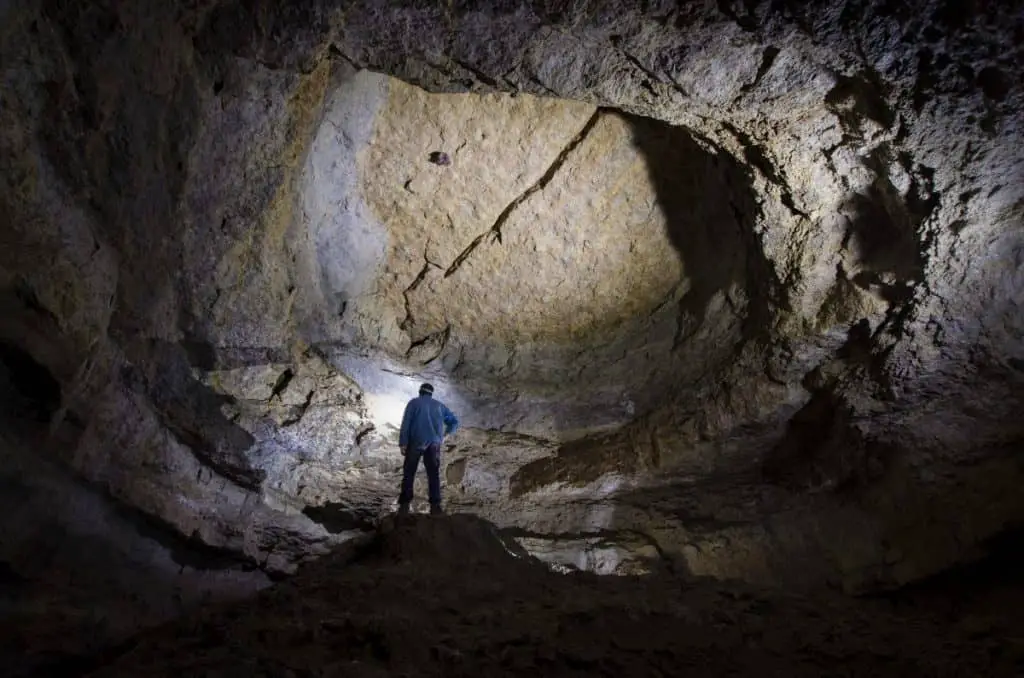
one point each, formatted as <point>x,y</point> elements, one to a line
<point>450,597</point>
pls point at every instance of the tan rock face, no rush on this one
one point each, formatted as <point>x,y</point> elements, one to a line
<point>567,264</point>
<point>545,227</point>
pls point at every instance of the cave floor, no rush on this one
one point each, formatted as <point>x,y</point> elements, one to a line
<point>444,596</point>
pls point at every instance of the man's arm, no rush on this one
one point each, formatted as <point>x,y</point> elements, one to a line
<point>451,422</point>
<point>403,435</point>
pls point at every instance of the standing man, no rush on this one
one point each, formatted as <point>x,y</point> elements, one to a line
<point>424,425</point>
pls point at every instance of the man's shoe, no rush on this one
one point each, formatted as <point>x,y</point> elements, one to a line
<point>436,510</point>
<point>403,509</point>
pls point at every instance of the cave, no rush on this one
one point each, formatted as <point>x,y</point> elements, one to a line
<point>726,297</point>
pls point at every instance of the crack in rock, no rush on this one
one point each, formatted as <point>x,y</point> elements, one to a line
<point>301,411</point>
<point>767,60</point>
<point>363,433</point>
<point>536,81</point>
<point>661,79</point>
<point>435,339</point>
<point>334,51</point>
<point>409,321</point>
<point>281,384</point>
<point>495,231</point>
<point>478,74</point>
<point>756,156</point>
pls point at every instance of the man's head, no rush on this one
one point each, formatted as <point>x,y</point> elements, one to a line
<point>426,390</point>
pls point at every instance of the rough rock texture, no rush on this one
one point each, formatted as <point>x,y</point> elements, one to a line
<point>742,278</point>
<point>79,575</point>
<point>445,597</point>
<point>79,571</point>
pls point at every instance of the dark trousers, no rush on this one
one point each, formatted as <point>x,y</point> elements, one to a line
<point>431,456</point>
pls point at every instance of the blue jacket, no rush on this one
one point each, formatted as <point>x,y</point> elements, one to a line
<point>426,421</point>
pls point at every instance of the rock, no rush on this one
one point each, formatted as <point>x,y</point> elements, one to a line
<point>745,282</point>
<point>491,612</point>
<point>82,574</point>
<point>600,555</point>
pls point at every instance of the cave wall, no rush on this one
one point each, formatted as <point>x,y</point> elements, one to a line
<point>171,259</point>
<point>634,284</point>
<point>82,573</point>
<point>138,203</point>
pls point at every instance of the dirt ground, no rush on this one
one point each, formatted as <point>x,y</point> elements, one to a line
<point>445,596</point>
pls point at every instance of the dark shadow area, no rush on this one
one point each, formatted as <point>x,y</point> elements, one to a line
<point>687,501</point>
<point>27,389</point>
<point>9,579</point>
<point>192,412</point>
<point>187,551</point>
<point>999,568</point>
<point>710,209</point>
<point>70,664</point>
<point>338,517</point>
<point>822,450</point>
<point>984,598</point>
<point>493,610</point>
<point>859,97</point>
<point>882,239</point>
<point>81,571</point>
<point>208,357</point>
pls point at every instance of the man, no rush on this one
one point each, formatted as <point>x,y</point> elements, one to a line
<point>424,425</point>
